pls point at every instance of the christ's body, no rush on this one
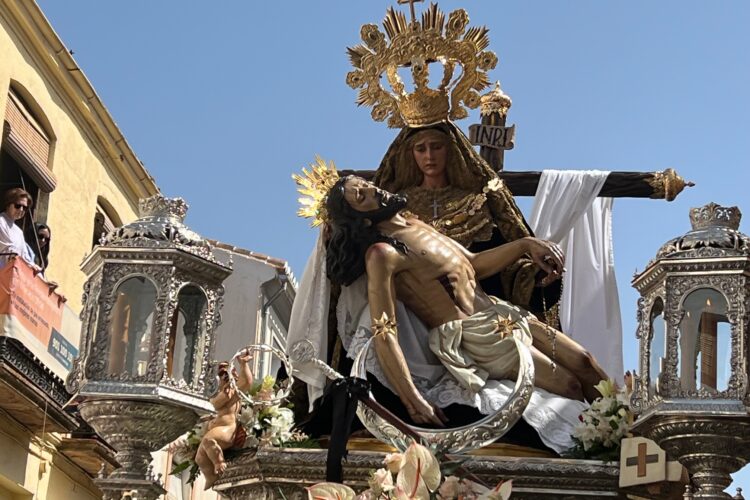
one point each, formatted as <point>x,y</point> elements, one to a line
<point>436,278</point>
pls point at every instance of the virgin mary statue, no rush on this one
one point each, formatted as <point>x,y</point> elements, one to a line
<point>465,199</point>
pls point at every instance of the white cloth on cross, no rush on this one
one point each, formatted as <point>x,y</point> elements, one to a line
<point>568,211</point>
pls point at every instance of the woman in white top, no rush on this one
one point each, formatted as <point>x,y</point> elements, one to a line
<point>16,202</point>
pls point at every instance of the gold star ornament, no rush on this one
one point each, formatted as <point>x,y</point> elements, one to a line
<point>384,326</point>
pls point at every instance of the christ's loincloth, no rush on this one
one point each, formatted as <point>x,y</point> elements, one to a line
<point>481,346</point>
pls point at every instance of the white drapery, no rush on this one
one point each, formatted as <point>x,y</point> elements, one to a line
<point>568,211</point>
<point>309,319</point>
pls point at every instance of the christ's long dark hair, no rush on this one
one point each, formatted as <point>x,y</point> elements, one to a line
<point>351,235</point>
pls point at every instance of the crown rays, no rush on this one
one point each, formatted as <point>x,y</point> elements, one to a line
<point>314,185</point>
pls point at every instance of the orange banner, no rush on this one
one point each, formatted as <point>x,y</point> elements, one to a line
<point>30,300</point>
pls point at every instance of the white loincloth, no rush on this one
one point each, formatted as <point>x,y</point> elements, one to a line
<point>473,350</point>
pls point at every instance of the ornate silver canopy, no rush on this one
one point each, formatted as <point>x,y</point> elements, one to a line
<point>715,233</point>
<point>151,306</point>
<point>160,225</point>
<point>692,396</point>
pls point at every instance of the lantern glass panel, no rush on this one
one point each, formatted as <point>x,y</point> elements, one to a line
<point>130,327</point>
<point>188,329</point>
<point>658,345</point>
<point>705,342</point>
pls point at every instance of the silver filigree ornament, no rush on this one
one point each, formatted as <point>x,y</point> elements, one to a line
<point>160,225</point>
<point>151,305</point>
<point>696,282</point>
<point>261,474</point>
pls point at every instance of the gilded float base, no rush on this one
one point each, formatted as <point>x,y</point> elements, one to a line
<point>272,473</point>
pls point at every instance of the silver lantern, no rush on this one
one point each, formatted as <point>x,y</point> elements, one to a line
<point>692,395</point>
<point>151,305</point>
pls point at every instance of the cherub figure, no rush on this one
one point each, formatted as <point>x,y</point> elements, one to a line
<point>224,430</point>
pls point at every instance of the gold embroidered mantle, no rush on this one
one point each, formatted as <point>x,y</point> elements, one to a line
<point>455,212</point>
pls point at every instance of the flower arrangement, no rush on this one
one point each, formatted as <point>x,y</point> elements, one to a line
<point>604,423</point>
<point>415,474</point>
<point>263,424</point>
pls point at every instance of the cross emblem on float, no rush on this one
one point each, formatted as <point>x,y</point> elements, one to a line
<point>642,459</point>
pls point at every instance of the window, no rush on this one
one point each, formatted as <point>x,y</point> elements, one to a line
<point>26,151</point>
<point>705,342</point>
<point>658,345</point>
<point>186,338</point>
<point>105,220</point>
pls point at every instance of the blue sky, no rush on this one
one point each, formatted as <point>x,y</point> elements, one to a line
<point>222,101</point>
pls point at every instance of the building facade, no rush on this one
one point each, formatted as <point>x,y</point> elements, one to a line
<point>60,143</point>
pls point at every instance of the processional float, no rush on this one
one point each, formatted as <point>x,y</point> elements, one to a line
<point>415,46</point>
<point>159,270</point>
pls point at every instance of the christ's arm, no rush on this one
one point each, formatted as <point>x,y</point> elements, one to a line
<point>382,262</point>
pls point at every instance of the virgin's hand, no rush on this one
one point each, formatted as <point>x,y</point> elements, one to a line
<point>548,256</point>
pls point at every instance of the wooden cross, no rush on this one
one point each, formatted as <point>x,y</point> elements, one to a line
<point>617,185</point>
<point>411,8</point>
<point>434,208</point>
<point>642,459</point>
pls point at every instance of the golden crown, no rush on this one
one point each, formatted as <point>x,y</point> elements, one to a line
<point>416,45</point>
<point>314,186</point>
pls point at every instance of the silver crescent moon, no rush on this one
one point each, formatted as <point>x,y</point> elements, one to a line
<point>458,439</point>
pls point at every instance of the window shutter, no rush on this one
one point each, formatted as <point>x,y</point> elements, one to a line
<point>27,143</point>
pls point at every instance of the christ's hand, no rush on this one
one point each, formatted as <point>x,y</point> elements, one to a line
<point>422,412</point>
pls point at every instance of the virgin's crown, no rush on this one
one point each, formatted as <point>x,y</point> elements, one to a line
<point>417,45</point>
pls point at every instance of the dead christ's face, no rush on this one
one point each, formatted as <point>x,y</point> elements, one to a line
<point>372,203</point>
<point>362,196</point>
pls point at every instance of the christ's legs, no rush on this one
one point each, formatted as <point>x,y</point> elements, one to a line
<point>570,355</point>
<point>559,381</point>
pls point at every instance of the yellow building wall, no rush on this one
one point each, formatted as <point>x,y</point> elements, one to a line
<point>82,174</point>
<point>31,466</point>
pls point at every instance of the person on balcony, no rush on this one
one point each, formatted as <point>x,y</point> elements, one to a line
<point>38,237</point>
<point>17,203</point>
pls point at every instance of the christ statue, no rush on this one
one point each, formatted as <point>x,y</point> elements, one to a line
<point>436,278</point>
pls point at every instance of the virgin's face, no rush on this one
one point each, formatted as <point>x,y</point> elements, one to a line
<point>431,156</point>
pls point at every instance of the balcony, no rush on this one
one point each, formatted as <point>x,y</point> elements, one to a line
<point>38,338</point>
